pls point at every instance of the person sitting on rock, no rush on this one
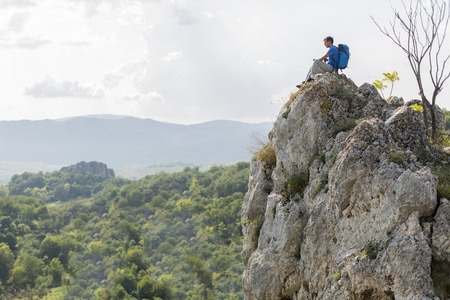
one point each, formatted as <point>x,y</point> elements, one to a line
<point>323,64</point>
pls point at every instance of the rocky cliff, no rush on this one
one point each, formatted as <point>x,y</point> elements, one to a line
<point>343,203</point>
<point>96,168</point>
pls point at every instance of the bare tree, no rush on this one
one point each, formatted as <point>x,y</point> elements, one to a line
<point>425,24</point>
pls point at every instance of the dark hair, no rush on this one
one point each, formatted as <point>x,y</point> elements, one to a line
<point>329,38</point>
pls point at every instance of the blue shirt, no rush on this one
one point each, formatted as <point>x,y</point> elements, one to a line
<point>334,57</point>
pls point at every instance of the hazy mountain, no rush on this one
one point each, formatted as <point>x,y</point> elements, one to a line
<point>125,142</point>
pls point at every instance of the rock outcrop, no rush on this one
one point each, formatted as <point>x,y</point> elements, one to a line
<point>350,210</point>
<point>96,168</point>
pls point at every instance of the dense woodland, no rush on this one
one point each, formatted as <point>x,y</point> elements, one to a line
<point>81,236</point>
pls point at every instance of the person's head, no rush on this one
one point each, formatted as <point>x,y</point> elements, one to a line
<point>328,41</point>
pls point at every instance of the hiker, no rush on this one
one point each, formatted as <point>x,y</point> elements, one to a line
<point>324,64</point>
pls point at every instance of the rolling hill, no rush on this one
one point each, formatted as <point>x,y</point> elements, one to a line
<point>125,142</point>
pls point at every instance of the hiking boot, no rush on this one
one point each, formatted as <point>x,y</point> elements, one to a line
<point>300,85</point>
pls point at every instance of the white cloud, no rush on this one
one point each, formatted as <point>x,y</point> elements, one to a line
<point>207,14</point>
<point>112,80</point>
<point>139,97</point>
<point>17,22</point>
<point>77,43</point>
<point>135,72</point>
<point>93,7</point>
<point>185,17</point>
<point>51,88</point>
<point>266,62</point>
<point>17,3</point>
<point>171,56</point>
<point>26,42</point>
<point>31,43</point>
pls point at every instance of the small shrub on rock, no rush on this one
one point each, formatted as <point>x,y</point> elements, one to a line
<point>267,155</point>
<point>443,174</point>
<point>297,184</point>
<point>343,125</point>
<point>370,251</point>
<point>342,93</point>
<point>396,157</point>
<point>337,276</point>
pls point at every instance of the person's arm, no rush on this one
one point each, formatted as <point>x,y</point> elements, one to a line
<point>324,57</point>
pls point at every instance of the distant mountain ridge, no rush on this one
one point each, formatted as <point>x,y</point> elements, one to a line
<point>124,142</point>
<point>104,117</point>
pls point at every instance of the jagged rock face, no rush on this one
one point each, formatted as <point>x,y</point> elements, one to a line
<point>355,230</point>
<point>96,168</point>
<point>254,208</point>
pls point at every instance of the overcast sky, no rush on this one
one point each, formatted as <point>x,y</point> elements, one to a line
<point>182,61</point>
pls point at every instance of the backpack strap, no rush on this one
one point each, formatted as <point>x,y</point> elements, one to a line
<point>336,62</point>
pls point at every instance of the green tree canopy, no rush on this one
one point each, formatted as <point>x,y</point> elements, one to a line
<point>6,262</point>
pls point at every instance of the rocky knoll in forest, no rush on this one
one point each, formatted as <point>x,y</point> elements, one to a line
<point>347,201</point>
<point>96,168</point>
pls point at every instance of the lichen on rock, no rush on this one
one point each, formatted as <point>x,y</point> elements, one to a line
<point>360,212</point>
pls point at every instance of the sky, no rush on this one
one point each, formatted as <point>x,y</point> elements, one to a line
<point>184,61</point>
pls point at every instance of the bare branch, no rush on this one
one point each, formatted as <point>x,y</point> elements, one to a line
<point>426,30</point>
<point>438,77</point>
<point>395,39</point>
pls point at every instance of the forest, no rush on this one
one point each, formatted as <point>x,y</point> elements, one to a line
<point>82,236</point>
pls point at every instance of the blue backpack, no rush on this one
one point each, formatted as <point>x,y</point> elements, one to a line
<point>344,56</point>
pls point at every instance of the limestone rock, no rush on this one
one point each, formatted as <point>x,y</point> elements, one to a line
<point>96,168</point>
<point>354,229</point>
<point>254,206</point>
<point>396,101</point>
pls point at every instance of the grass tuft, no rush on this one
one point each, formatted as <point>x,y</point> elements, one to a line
<point>267,155</point>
